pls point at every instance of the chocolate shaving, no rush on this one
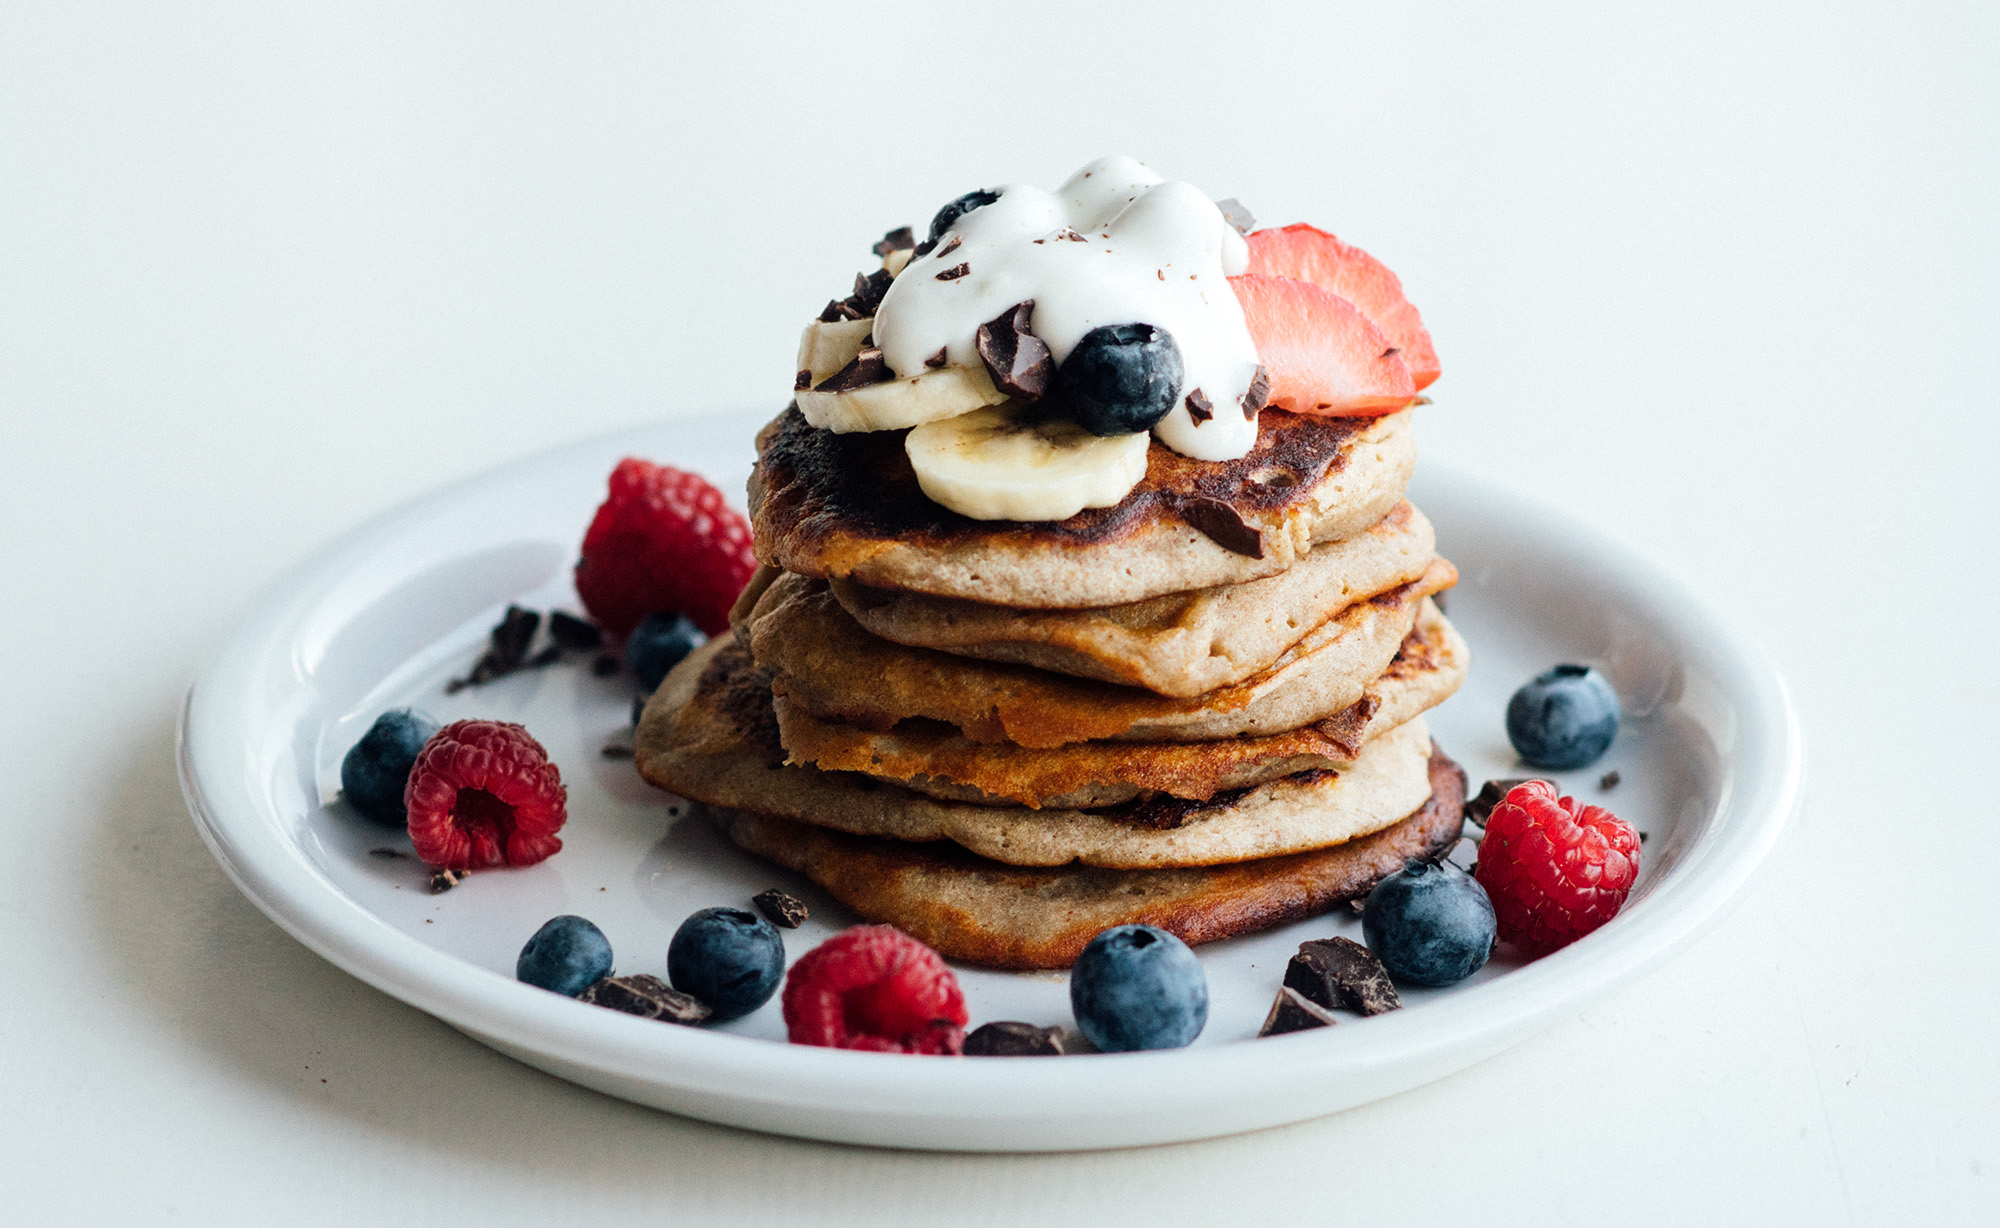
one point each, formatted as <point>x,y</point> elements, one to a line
<point>948,248</point>
<point>646,996</point>
<point>389,854</point>
<point>936,360</point>
<point>1294,1012</point>
<point>781,908</point>
<point>1341,974</point>
<point>573,633</point>
<point>955,272</point>
<point>864,369</point>
<point>1018,360</point>
<point>1490,795</point>
<point>1200,408</point>
<point>444,878</point>
<point>1222,525</point>
<point>899,239</point>
<point>1257,395</point>
<point>1012,1038</point>
<point>1236,215</point>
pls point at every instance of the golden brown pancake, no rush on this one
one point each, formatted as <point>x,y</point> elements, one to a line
<point>825,662</point>
<point>1181,644</point>
<point>1000,916</point>
<point>934,758</point>
<point>848,506</point>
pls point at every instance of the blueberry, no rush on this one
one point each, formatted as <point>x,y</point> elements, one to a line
<point>728,958</point>
<point>1120,378</point>
<point>377,768</point>
<point>1137,987</point>
<point>949,215</point>
<point>1563,719</point>
<point>657,644</point>
<point>566,956</point>
<point>1429,924</point>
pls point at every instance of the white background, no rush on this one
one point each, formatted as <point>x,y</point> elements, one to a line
<point>1720,278</point>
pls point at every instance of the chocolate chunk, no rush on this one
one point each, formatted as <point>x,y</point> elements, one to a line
<point>1255,397</point>
<point>1223,526</point>
<point>802,381</point>
<point>938,359</point>
<point>955,272</point>
<point>1011,1038</point>
<point>1162,812</point>
<point>444,878</point>
<point>831,312</point>
<point>949,248</point>
<point>1340,974</point>
<point>1609,780</point>
<point>868,291</point>
<point>1236,215</point>
<point>1294,1012</point>
<point>922,249</point>
<point>389,853</point>
<point>863,369</point>
<point>899,239</point>
<point>573,633</point>
<point>648,997</point>
<point>781,908</point>
<point>1200,408</point>
<point>606,666</point>
<point>1018,360</point>
<point>546,657</point>
<point>1490,795</point>
<point>505,648</point>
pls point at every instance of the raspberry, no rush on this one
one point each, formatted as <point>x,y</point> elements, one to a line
<point>875,987</point>
<point>1555,869</point>
<point>483,793</point>
<point>663,542</point>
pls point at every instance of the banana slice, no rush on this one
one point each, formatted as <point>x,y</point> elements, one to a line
<point>897,260</point>
<point>826,348</point>
<point>1004,464</point>
<point>893,404</point>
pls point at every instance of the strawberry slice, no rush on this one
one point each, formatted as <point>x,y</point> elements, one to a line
<point>1322,355</point>
<point>1308,253</point>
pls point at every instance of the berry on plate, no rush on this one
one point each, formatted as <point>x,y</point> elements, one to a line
<point>657,644</point>
<point>1321,354</point>
<point>730,959</point>
<point>1563,718</point>
<point>664,540</point>
<point>483,793</point>
<point>1120,378</point>
<point>1138,987</point>
<point>875,987</point>
<point>1307,253</point>
<point>566,956</point>
<point>1429,924</point>
<point>1554,868</point>
<point>378,767</point>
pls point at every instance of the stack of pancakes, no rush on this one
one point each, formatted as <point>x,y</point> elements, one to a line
<point>1200,709</point>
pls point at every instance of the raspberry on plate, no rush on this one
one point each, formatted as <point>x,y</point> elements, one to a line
<point>664,541</point>
<point>875,987</point>
<point>1555,869</point>
<point>483,793</point>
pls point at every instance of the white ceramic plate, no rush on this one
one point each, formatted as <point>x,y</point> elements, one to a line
<point>1710,760</point>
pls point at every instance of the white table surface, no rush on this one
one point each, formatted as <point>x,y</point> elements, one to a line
<point>1719,277</point>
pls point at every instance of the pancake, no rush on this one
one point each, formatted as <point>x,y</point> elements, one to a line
<point>828,665</point>
<point>1181,644</point>
<point>848,506</point>
<point>937,760</point>
<point>1006,917</point>
<point>708,734</point>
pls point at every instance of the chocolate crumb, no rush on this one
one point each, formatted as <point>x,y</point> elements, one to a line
<point>938,359</point>
<point>646,996</point>
<point>863,369</point>
<point>1341,974</point>
<point>1236,215</point>
<point>573,633</point>
<point>1012,1038</point>
<point>1255,397</point>
<point>444,878</point>
<point>781,908</point>
<point>1609,780</point>
<point>1018,360</point>
<point>605,666</point>
<point>389,853</point>
<point>1294,1012</point>
<point>1200,408</point>
<point>955,272</point>
<point>1490,795</point>
<point>1642,837</point>
<point>505,648</point>
<point>1221,524</point>
<point>899,239</point>
<point>1071,236</point>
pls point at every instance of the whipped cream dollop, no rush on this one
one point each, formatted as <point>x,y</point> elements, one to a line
<point>1116,244</point>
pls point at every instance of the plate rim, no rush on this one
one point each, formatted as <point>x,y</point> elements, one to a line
<point>844,1095</point>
